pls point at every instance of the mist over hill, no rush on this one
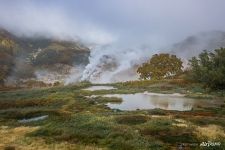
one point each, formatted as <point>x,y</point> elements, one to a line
<point>111,64</point>
<point>51,60</point>
<point>193,45</point>
<point>102,41</point>
<point>39,58</point>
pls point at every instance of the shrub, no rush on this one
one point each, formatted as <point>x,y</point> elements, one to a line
<point>160,66</point>
<point>209,69</point>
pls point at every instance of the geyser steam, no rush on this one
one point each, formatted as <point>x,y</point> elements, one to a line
<point>156,23</point>
<point>110,64</point>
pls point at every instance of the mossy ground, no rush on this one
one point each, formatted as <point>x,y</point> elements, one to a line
<point>78,122</point>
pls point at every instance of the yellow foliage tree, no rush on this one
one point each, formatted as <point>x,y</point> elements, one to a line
<point>160,66</point>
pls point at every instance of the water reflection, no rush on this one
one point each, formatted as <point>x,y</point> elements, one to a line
<point>33,119</point>
<point>152,101</point>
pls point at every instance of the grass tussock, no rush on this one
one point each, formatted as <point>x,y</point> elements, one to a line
<point>131,119</point>
<point>24,103</point>
<point>210,132</point>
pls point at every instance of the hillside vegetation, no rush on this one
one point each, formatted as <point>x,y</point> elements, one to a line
<point>20,57</point>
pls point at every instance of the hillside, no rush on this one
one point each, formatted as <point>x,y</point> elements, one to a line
<point>21,57</point>
<point>193,45</point>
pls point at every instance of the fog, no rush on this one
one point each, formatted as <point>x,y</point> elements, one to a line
<point>120,33</point>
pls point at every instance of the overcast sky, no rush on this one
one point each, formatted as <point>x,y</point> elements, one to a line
<point>125,22</point>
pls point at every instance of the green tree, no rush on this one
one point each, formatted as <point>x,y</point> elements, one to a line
<point>209,68</point>
<point>160,66</point>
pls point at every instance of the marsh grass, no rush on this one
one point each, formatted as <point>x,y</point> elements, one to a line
<point>85,123</point>
<point>157,112</point>
<point>100,99</point>
<point>131,119</point>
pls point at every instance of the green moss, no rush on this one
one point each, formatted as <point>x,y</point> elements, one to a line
<point>85,127</point>
<point>131,119</point>
<point>156,127</point>
<point>101,99</point>
<point>156,112</point>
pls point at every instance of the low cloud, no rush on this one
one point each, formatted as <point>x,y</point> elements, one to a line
<point>128,31</point>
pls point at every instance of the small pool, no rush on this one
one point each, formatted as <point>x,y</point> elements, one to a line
<point>33,119</point>
<point>148,100</point>
<point>95,88</point>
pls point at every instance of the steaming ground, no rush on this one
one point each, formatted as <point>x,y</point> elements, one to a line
<point>67,62</point>
<point>50,60</point>
<point>124,34</point>
<point>113,64</point>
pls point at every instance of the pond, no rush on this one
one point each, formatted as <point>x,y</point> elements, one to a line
<point>95,88</point>
<point>33,119</point>
<point>154,100</point>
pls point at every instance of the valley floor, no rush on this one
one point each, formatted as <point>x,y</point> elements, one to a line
<point>76,121</point>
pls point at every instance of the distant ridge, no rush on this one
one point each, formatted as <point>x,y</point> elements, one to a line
<point>193,45</point>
